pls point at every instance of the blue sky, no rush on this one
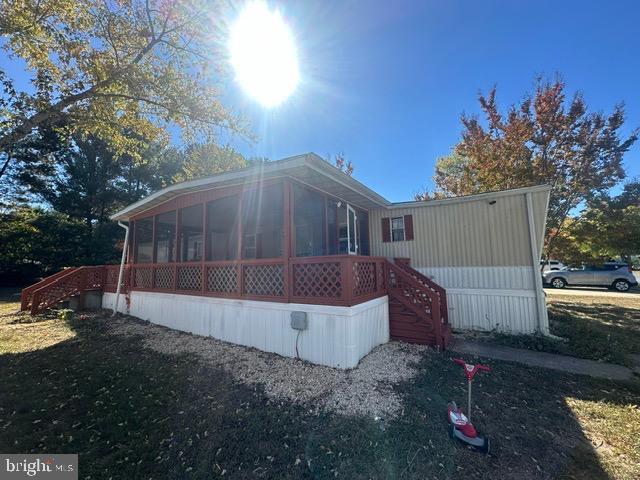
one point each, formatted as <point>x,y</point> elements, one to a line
<point>385,82</point>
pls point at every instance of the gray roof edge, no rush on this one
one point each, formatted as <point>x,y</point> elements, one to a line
<point>310,160</point>
<point>319,164</point>
<point>472,197</point>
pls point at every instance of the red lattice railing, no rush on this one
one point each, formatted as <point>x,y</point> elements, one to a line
<point>330,280</point>
<point>111,278</point>
<point>317,279</point>
<point>26,296</point>
<point>420,299</point>
<point>430,284</point>
<point>264,280</point>
<point>418,306</point>
<point>222,279</point>
<point>342,280</point>
<point>337,280</point>
<point>164,277</point>
<point>142,277</point>
<point>72,282</point>
<point>189,277</point>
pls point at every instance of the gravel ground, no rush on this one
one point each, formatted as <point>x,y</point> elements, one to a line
<point>365,390</point>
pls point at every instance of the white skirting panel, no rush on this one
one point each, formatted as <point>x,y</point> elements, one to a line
<point>510,278</point>
<point>336,336</point>
<point>489,298</point>
<point>508,311</point>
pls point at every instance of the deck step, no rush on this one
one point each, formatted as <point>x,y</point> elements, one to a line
<point>411,296</point>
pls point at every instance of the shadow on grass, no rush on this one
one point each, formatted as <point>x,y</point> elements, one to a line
<point>9,294</point>
<point>134,413</point>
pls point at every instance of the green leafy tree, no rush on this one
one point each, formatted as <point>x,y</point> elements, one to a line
<point>202,160</point>
<point>610,226</point>
<point>37,242</point>
<point>87,182</point>
<point>105,68</point>
<point>36,157</point>
<point>545,139</point>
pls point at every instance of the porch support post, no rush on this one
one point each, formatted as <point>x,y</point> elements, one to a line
<point>239,265</point>
<point>204,248</point>
<point>541,307</point>
<point>122,263</point>
<point>287,251</point>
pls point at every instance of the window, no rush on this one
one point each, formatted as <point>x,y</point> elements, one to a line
<point>397,229</point>
<point>343,229</point>
<point>222,229</point>
<point>144,240</point>
<point>191,234</point>
<point>166,237</point>
<point>606,267</point>
<point>308,221</point>
<point>262,222</point>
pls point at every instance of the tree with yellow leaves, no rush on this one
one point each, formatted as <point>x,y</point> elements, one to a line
<point>107,67</point>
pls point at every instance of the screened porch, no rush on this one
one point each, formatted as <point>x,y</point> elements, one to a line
<point>277,240</point>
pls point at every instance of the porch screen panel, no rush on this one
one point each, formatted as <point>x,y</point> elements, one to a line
<point>309,222</point>
<point>144,240</point>
<point>166,237</point>
<point>332,227</point>
<point>222,229</point>
<point>363,232</point>
<point>191,234</point>
<point>263,222</point>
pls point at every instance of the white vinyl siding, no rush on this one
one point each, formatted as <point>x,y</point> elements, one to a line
<point>472,233</point>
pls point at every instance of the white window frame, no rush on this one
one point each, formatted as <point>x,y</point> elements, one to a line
<point>404,230</point>
<point>352,210</point>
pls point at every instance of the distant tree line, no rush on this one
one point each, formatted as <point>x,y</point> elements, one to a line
<point>55,206</point>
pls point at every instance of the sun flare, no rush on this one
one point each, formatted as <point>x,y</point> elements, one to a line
<point>263,54</point>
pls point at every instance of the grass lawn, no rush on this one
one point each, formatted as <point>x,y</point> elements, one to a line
<point>133,413</point>
<point>597,328</point>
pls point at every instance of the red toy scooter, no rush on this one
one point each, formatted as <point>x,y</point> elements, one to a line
<point>461,426</point>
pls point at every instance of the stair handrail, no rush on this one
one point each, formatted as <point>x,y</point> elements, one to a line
<point>80,273</point>
<point>27,293</point>
<point>435,320</point>
<point>444,309</point>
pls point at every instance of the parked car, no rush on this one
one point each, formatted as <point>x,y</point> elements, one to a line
<point>613,275</point>
<point>548,265</point>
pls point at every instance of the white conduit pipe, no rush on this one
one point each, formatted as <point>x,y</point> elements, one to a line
<point>122,263</point>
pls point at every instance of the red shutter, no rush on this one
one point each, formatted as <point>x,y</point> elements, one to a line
<point>386,229</point>
<point>408,227</point>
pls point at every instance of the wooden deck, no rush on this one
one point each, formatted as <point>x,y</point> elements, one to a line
<point>417,305</point>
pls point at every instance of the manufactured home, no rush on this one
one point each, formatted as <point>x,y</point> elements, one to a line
<point>297,258</point>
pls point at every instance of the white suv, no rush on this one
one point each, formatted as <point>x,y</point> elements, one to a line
<point>610,274</point>
<point>551,265</point>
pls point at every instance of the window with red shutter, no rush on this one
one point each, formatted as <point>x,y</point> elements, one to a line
<point>386,229</point>
<point>408,227</point>
<point>397,229</point>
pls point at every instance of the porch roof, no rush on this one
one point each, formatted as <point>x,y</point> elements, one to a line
<point>308,168</point>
